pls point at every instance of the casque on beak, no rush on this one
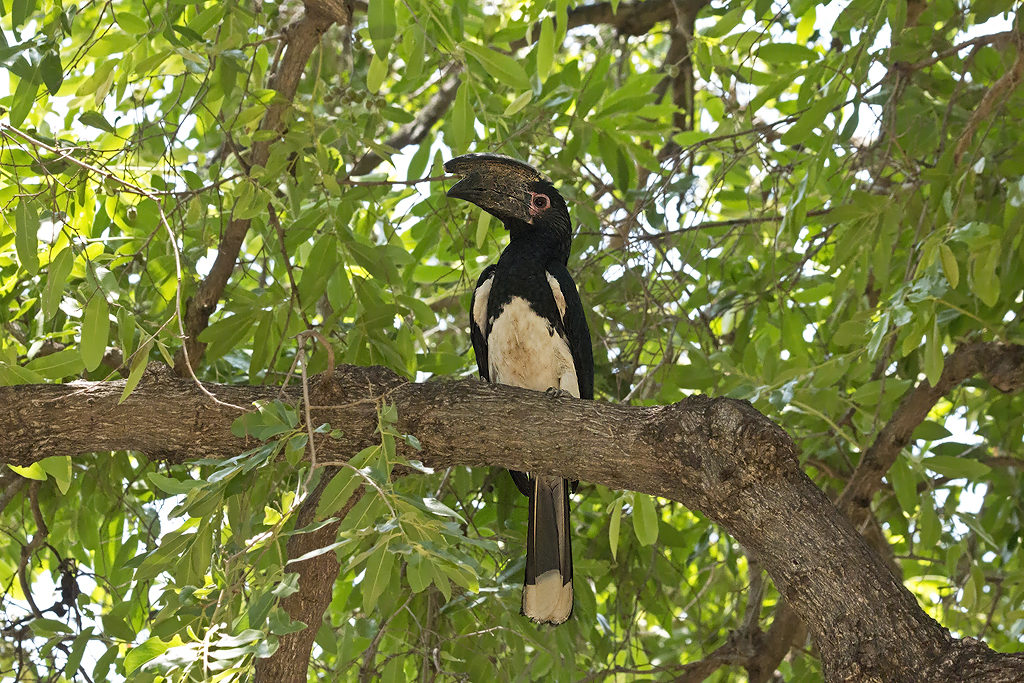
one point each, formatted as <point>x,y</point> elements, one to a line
<point>497,184</point>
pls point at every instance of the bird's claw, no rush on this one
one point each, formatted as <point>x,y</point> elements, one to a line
<point>555,392</point>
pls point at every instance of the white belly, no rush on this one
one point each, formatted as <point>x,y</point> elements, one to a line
<point>525,351</point>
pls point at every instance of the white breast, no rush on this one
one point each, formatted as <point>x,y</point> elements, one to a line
<point>523,350</point>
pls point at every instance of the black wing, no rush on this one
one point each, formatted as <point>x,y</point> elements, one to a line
<point>576,330</point>
<point>475,331</point>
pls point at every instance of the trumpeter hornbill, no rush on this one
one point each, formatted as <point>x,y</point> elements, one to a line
<point>529,330</point>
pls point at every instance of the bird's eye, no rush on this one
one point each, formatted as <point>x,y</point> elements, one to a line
<point>540,201</point>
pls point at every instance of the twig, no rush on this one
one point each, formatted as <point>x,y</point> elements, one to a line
<point>272,213</point>
<point>29,549</point>
<point>163,221</point>
<point>366,670</point>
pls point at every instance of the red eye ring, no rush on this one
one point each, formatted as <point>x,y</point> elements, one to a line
<point>541,201</point>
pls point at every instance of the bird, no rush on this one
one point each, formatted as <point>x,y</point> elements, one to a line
<point>529,329</point>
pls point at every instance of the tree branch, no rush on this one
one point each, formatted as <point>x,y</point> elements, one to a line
<point>316,579</point>
<point>415,131</point>
<point>997,93</point>
<point>1002,366</point>
<point>717,456</point>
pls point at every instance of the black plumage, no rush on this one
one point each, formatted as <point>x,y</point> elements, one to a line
<point>529,329</point>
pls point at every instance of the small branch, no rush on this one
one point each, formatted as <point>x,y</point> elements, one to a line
<point>29,549</point>
<point>949,52</point>
<point>316,578</point>
<point>11,485</point>
<point>415,131</point>
<point>706,225</point>
<point>996,94</point>
<point>1002,365</point>
<point>296,301</point>
<point>366,670</point>
<point>755,596</point>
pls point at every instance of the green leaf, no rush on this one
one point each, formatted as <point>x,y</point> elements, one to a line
<point>382,25</point>
<point>140,654</point>
<point>904,484</point>
<point>377,576</point>
<point>132,24</point>
<point>139,364</point>
<point>96,120</point>
<point>24,98</point>
<point>645,519</point>
<point>878,335</point>
<point>483,224</point>
<point>952,466</point>
<point>58,365</point>
<point>928,526</point>
<point>933,361</point>
<point>58,467</point>
<point>613,528</point>
<point>897,15</point>
<point>501,67</point>
<point>77,651</point>
<point>226,333</point>
<point>26,235</point>
<point>48,627</point>
<point>984,281</point>
<point>461,128</point>
<point>34,471</point>
<point>51,71</point>
<point>808,121</point>
<point>930,431</point>
<point>518,103</point>
<point>545,49</point>
<point>20,11</point>
<point>95,331</point>
<point>418,573</point>
<point>376,73</point>
<point>56,280</point>
<point>949,265</point>
<point>171,485</point>
<point>781,53</point>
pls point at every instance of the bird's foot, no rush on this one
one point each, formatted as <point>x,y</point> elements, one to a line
<point>555,392</point>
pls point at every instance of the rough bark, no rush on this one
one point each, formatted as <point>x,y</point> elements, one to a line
<point>719,456</point>
<point>316,583</point>
<point>1001,365</point>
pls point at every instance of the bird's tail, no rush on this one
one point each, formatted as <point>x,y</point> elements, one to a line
<point>547,589</point>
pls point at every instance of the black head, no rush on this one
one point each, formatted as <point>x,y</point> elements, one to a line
<point>516,194</point>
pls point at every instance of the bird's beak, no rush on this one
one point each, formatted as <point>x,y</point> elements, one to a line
<point>495,183</point>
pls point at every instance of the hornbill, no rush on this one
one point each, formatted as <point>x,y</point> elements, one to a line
<point>529,330</point>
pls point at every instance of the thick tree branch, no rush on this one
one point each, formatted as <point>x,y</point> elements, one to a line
<point>718,456</point>
<point>300,40</point>
<point>632,19</point>
<point>1002,365</point>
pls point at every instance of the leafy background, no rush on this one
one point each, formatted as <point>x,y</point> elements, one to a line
<point>804,205</point>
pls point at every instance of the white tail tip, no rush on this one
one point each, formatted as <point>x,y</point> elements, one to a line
<point>548,600</point>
